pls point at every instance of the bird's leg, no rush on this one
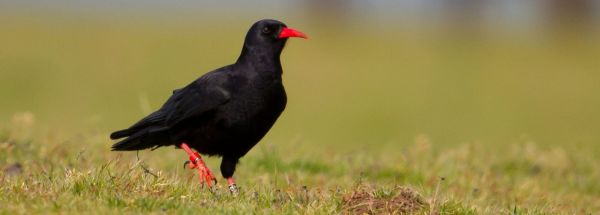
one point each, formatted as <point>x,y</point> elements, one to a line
<point>196,162</point>
<point>232,187</point>
<point>227,168</point>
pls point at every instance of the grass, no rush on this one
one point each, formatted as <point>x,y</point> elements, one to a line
<point>403,120</point>
<point>73,175</point>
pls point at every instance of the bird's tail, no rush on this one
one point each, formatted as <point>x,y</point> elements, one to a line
<point>140,139</point>
<point>121,133</point>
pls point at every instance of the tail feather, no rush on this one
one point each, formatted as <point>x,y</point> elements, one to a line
<point>141,139</point>
<point>121,133</point>
<point>129,144</point>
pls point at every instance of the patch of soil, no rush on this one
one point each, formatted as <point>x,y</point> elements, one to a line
<point>401,200</point>
<point>13,169</point>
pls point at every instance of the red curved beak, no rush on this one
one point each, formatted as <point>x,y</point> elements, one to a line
<point>290,32</point>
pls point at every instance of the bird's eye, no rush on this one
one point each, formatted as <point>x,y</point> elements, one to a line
<point>266,30</point>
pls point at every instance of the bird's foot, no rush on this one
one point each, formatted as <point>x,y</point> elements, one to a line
<point>232,187</point>
<point>204,174</point>
<point>235,191</point>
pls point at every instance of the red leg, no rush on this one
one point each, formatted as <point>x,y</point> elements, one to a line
<point>196,162</point>
<point>232,187</point>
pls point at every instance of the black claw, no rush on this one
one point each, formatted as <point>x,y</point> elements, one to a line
<point>185,163</point>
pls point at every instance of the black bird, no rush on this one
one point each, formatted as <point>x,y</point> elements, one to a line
<point>224,112</point>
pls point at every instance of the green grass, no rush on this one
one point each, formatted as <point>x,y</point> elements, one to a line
<point>78,174</point>
<point>373,119</point>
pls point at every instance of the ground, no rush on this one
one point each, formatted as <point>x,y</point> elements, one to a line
<point>49,174</point>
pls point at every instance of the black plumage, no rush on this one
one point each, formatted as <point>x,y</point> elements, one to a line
<point>226,111</point>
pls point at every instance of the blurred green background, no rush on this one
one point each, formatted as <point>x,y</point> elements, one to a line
<point>372,76</point>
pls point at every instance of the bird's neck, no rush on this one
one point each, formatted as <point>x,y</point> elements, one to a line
<point>260,60</point>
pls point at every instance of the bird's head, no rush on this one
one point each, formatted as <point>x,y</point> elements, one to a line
<point>269,35</point>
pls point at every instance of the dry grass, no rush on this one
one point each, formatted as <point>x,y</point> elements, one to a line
<point>48,173</point>
<point>400,200</point>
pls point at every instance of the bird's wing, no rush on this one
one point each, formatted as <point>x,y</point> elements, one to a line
<point>201,96</point>
<point>152,119</point>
